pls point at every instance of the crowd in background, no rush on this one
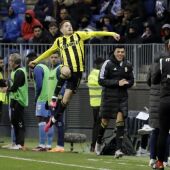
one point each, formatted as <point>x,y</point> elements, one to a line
<point>137,21</point>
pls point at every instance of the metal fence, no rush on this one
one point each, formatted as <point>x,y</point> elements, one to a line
<point>140,55</point>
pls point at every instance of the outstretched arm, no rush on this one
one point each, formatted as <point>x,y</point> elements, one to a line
<point>87,35</point>
<point>45,55</point>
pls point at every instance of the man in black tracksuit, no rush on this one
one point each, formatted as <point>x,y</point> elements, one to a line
<point>116,76</point>
<point>162,75</point>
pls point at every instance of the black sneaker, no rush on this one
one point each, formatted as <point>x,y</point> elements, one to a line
<point>39,149</point>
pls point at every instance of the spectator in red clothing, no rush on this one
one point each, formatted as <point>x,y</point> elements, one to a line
<point>28,25</point>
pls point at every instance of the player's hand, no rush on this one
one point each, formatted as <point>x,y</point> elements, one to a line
<point>32,64</point>
<point>123,82</point>
<point>116,37</point>
<point>4,89</point>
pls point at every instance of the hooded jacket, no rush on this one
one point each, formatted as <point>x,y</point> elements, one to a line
<point>12,27</point>
<point>27,28</point>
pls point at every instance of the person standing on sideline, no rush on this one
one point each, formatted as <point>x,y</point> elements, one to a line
<point>40,75</point>
<point>161,75</point>
<point>18,95</point>
<point>55,63</point>
<point>95,98</point>
<point>154,103</point>
<point>116,76</point>
<point>3,98</point>
<point>71,47</point>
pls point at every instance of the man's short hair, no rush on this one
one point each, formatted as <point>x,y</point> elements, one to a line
<point>37,26</point>
<point>118,46</point>
<point>16,58</point>
<point>62,22</point>
<point>31,56</point>
<point>52,24</point>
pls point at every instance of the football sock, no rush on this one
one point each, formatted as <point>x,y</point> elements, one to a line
<point>42,134</point>
<point>119,134</point>
<point>50,135</point>
<point>102,129</point>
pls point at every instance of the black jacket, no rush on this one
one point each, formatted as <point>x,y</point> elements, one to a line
<point>161,74</point>
<point>154,99</point>
<point>114,97</point>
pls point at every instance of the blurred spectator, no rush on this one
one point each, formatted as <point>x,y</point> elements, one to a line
<point>106,39</point>
<point>3,8</point>
<point>106,20</point>
<point>63,15</point>
<point>40,36</point>
<point>80,8</point>
<point>149,35</point>
<point>134,5</point>
<point>53,32</point>
<point>132,36</point>
<point>19,5</point>
<point>165,32</point>
<point>65,2</point>
<point>12,26</point>
<point>127,20</point>
<point>27,26</point>
<point>43,9</point>
<point>160,8</point>
<point>84,22</point>
<point>148,8</point>
<point>116,7</point>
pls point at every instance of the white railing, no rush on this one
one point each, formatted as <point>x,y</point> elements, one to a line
<point>141,55</point>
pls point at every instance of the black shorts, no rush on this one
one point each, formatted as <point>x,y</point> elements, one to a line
<point>74,81</point>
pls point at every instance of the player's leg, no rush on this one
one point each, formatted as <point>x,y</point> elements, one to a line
<point>102,127</point>
<point>120,125</point>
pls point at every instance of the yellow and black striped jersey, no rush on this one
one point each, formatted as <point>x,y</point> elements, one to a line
<point>72,48</point>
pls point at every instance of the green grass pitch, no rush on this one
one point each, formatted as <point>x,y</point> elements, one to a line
<point>29,160</point>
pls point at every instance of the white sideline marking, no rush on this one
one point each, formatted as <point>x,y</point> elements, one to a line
<point>122,163</point>
<point>93,160</point>
<point>50,162</point>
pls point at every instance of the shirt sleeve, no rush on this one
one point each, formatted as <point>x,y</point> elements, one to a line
<point>103,80</point>
<point>48,53</point>
<point>87,35</point>
<point>38,77</point>
<point>156,76</point>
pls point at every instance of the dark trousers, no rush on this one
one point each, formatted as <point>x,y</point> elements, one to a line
<point>153,143</point>
<point>96,124</point>
<point>17,120</point>
<point>164,120</point>
<point>144,141</point>
<point>60,129</point>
